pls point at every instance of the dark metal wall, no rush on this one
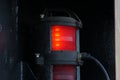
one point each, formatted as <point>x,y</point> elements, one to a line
<point>9,66</point>
<point>12,66</point>
<point>99,41</point>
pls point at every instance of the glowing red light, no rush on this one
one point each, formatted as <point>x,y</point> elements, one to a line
<point>57,34</point>
<point>63,38</point>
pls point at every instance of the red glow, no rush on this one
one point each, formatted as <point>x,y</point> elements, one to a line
<point>64,72</point>
<point>63,38</point>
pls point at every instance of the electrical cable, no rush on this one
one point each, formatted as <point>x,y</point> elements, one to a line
<point>75,15</point>
<point>88,56</point>
<point>31,72</point>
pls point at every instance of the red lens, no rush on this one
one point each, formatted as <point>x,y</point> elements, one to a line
<point>63,38</point>
<point>64,72</point>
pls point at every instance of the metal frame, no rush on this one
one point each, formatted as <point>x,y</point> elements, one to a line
<point>78,51</point>
<point>62,57</point>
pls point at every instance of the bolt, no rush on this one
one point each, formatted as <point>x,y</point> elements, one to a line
<point>37,55</point>
<point>42,15</point>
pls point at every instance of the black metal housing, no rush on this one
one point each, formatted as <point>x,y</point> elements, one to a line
<point>58,57</point>
<point>47,57</point>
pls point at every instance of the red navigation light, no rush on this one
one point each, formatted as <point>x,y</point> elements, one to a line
<point>64,72</point>
<point>63,38</point>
